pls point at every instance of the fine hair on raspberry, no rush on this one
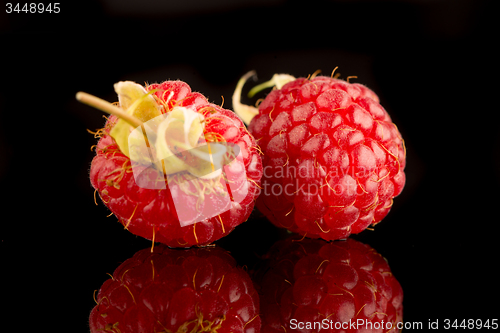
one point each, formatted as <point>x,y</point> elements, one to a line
<point>333,160</point>
<point>160,191</point>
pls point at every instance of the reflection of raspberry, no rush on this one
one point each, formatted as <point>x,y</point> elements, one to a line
<point>334,284</point>
<point>154,213</point>
<point>171,290</point>
<point>333,160</point>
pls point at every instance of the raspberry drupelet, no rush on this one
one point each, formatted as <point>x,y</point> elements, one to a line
<point>188,173</point>
<point>333,159</point>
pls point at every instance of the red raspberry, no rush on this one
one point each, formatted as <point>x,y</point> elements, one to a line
<point>333,159</point>
<point>340,286</point>
<point>173,290</point>
<point>195,207</point>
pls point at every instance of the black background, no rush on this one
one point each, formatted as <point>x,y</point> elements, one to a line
<point>432,63</point>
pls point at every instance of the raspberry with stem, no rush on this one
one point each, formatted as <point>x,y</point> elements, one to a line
<point>173,167</point>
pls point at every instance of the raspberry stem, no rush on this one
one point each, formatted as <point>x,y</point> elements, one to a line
<point>107,107</point>
<point>247,112</point>
<point>278,81</point>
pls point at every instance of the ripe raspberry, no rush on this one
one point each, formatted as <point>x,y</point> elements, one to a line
<point>173,290</point>
<point>170,191</point>
<point>344,286</point>
<point>333,160</point>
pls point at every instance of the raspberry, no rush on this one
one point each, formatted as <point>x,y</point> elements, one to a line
<point>333,160</point>
<point>339,286</point>
<point>177,290</point>
<point>191,186</point>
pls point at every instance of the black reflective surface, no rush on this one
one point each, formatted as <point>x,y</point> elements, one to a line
<point>433,65</point>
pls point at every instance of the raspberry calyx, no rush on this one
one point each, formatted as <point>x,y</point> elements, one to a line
<point>247,112</point>
<point>177,136</point>
<point>278,81</point>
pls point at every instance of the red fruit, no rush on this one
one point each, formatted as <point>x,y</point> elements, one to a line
<point>340,286</point>
<point>173,290</point>
<point>160,188</point>
<point>333,160</point>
